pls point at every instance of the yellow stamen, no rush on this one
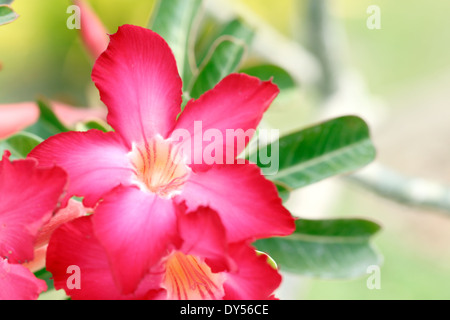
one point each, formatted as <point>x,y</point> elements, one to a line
<point>188,278</point>
<point>159,167</point>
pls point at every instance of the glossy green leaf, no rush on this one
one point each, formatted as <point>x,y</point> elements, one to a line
<point>173,20</point>
<point>7,14</point>
<point>334,147</point>
<point>224,57</point>
<point>20,144</point>
<point>328,249</point>
<point>265,72</point>
<point>48,123</point>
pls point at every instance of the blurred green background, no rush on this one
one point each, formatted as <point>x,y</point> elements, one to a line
<point>404,67</point>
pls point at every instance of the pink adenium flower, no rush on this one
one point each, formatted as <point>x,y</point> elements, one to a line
<point>28,197</point>
<point>142,170</point>
<point>199,265</point>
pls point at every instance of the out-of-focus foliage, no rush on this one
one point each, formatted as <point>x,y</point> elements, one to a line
<point>327,249</point>
<point>7,14</point>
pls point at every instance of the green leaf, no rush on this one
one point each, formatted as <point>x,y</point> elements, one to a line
<point>224,57</point>
<point>334,147</point>
<point>173,21</point>
<point>3,2</point>
<point>327,249</point>
<point>7,14</point>
<point>48,123</point>
<point>45,275</point>
<point>93,124</point>
<point>283,192</point>
<point>20,144</point>
<point>265,72</point>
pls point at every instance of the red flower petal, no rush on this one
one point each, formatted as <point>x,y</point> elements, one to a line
<point>138,81</point>
<point>74,248</point>
<point>136,229</point>
<point>254,279</point>
<point>95,161</point>
<point>236,105</point>
<point>203,235</point>
<point>28,197</point>
<point>247,203</point>
<point>18,283</point>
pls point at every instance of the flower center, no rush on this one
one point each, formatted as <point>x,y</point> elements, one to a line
<point>188,278</point>
<point>159,167</point>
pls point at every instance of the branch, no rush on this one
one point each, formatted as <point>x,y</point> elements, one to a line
<point>412,191</point>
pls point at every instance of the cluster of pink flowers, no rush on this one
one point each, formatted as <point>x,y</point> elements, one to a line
<point>163,224</point>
